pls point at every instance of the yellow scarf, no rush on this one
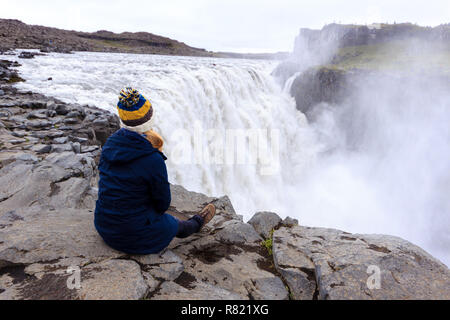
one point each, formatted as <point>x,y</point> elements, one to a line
<point>155,139</point>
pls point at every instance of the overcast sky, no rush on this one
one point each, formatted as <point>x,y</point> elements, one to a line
<point>227,25</point>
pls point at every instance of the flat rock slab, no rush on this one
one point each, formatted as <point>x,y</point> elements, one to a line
<point>112,280</point>
<point>108,280</point>
<point>164,266</point>
<point>198,291</point>
<point>26,183</point>
<point>38,235</point>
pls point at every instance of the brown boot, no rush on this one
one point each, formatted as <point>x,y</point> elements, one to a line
<point>207,214</point>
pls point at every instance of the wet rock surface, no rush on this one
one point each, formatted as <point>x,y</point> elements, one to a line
<point>316,85</point>
<point>48,188</point>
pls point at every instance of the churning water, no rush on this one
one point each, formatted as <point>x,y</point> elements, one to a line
<point>370,167</point>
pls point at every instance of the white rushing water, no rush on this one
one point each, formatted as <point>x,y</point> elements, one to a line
<point>391,178</point>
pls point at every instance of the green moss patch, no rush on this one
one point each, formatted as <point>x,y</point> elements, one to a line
<point>399,55</point>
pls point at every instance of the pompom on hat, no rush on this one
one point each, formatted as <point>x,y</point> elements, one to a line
<point>135,111</point>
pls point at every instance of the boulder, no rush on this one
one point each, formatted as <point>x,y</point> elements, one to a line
<point>264,223</point>
<point>58,148</point>
<point>71,120</point>
<point>319,263</point>
<point>61,109</point>
<point>237,232</point>
<point>27,55</point>
<point>61,140</point>
<point>41,148</point>
<point>289,222</point>
<point>76,147</point>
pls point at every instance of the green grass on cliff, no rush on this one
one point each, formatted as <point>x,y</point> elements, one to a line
<point>110,43</point>
<point>268,243</point>
<point>401,55</point>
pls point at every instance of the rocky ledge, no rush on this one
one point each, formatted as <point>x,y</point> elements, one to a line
<point>16,34</point>
<point>48,178</point>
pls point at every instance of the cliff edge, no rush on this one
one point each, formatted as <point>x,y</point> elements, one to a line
<point>328,65</point>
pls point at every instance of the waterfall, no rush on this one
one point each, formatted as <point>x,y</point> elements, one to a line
<point>193,97</point>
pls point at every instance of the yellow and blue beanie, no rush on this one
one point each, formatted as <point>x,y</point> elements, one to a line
<point>135,111</point>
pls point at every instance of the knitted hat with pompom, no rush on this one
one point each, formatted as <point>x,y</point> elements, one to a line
<point>135,111</point>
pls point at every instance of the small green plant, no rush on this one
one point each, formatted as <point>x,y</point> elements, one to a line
<point>268,243</point>
<point>291,295</point>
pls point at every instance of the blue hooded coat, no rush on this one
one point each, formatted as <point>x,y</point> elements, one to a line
<point>133,195</point>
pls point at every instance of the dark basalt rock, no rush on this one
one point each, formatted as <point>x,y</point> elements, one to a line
<point>319,85</point>
<point>26,55</point>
